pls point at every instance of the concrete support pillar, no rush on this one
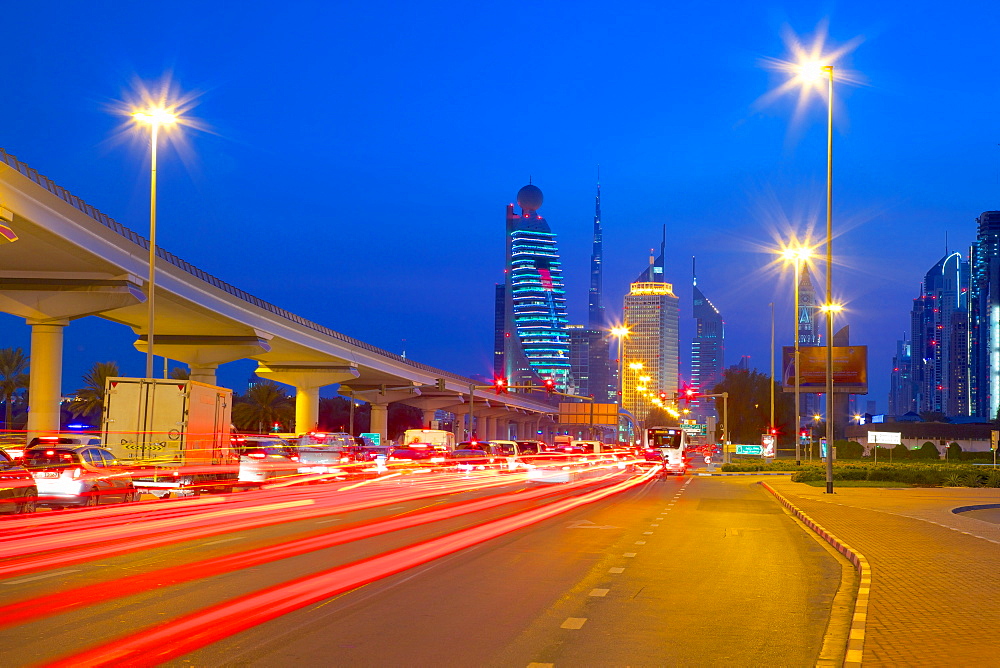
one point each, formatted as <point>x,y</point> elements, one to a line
<point>428,417</point>
<point>380,419</point>
<point>459,426</point>
<point>204,373</point>
<point>307,378</point>
<point>489,428</point>
<point>45,374</point>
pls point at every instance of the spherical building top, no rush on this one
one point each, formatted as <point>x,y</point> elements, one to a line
<point>529,198</point>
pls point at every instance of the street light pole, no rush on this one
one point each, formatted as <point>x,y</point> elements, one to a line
<point>770,429</point>
<point>154,118</point>
<point>798,405</point>
<point>829,281</point>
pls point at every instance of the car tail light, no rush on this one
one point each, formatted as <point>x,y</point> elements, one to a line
<point>257,455</point>
<point>344,460</point>
<point>77,472</point>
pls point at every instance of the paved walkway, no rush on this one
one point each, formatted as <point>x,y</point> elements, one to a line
<point>935,594</point>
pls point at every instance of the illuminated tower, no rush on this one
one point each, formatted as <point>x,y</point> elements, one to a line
<point>595,312</point>
<point>984,318</point>
<point>535,340</point>
<point>940,377</point>
<point>707,348</point>
<point>652,348</point>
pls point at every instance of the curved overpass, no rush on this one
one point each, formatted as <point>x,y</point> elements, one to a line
<point>71,260</point>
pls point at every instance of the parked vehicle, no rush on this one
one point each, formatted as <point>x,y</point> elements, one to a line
<point>18,492</point>
<point>175,434</point>
<point>79,475</point>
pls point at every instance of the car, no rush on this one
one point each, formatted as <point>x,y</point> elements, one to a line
<point>472,460</point>
<point>18,493</point>
<point>263,458</point>
<point>78,475</point>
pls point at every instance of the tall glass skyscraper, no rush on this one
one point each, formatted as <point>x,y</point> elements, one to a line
<point>707,348</point>
<point>984,318</point>
<point>535,340</point>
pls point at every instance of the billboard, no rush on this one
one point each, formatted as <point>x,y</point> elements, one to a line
<point>850,369</point>
<point>587,412</point>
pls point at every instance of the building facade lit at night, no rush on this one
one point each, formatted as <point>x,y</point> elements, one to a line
<point>534,335</point>
<point>651,350</point>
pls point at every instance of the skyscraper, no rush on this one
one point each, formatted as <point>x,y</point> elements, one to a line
<point>707,348</point>
<point>984,318</point>
<point>535,340</point>
<point>595,311</point>
<point>902,389</point>
<point>651,349</point>
<point>939,377</point>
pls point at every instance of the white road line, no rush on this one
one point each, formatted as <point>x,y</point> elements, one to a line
<point>573,623</point>
<point>659,518</point>
<point>640,542</point>
<point>599,592</point>
<point>616,570</point>
<point>223,540</point>
<point>629,554</point>
<point>328,521</point>
<point>41,577</point>
<point>655,525</point>
<point>647,533</point>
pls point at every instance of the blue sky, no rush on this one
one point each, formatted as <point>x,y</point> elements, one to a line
<point>357,156</point>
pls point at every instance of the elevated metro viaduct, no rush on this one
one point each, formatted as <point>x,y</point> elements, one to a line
<point>71,261</point>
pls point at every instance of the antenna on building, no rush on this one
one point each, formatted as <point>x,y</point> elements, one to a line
<point>946,243</point>
<point>694,274</point>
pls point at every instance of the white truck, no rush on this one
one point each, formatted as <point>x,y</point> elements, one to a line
<point>439,439</point>
<point>174,434</point>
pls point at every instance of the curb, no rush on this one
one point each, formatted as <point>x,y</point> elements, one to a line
<point>856,640</point>
<point>984,506</point>
<point>727,473</point>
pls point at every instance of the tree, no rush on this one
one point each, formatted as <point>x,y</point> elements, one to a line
<point>750,406</point>
<point>13,378</point>
<point>263,405</point>
<point>180,373</point>
<point>90,398</point>
<point>659,417</point>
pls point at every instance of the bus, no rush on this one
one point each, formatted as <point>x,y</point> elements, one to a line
<point>669,445</point>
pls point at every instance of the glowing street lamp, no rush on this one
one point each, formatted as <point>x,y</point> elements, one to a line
<point>620,333</point>
<point>154,118</point>
<point>797,255</point>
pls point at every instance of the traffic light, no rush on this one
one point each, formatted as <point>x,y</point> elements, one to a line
<point>500,385</point>
<point>663,395</point>
<point>550,385</point>
<point>440,382</point>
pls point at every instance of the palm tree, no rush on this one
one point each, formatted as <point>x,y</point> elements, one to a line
<point>13,377</point>
<point>264,404</point>
<point>90,399</point>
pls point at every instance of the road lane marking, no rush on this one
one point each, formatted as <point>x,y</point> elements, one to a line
<point>640,542</point>
<point>659,518</point>
<point>616,570</point>
<point>654,525</point>
<point>41,577</point>
<point>647,533</point>
<point>541,665</point>
<point>629,554</point>
<point>574,623</point>
<point>599,592</point>
<point>328,521</point>
<point>222,540</point>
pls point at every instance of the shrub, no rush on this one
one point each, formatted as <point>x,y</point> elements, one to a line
<point>992,478</point>
<point>849,450</point>
<point>927,451</point>
<point>954,452</point>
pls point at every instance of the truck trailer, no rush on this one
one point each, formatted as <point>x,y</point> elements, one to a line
<point>174,434</point>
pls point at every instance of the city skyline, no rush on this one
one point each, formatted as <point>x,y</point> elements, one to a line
<point>283,203</point>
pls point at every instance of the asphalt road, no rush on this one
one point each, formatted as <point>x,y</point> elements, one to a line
<point>682,571</point>
<point>690,572</point>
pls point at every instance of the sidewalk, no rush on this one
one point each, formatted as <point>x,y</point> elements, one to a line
<point>935,593</point>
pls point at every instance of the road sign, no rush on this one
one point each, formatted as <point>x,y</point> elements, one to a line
<point>822,448</point>
<point>372,437</point>
<point>767,445</point>
<point>749,449</point>
<point>994,437</point>
<point>885,437</point>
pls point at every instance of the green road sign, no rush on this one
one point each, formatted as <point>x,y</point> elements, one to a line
<point>749,449</point>
<point>373,438</point>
